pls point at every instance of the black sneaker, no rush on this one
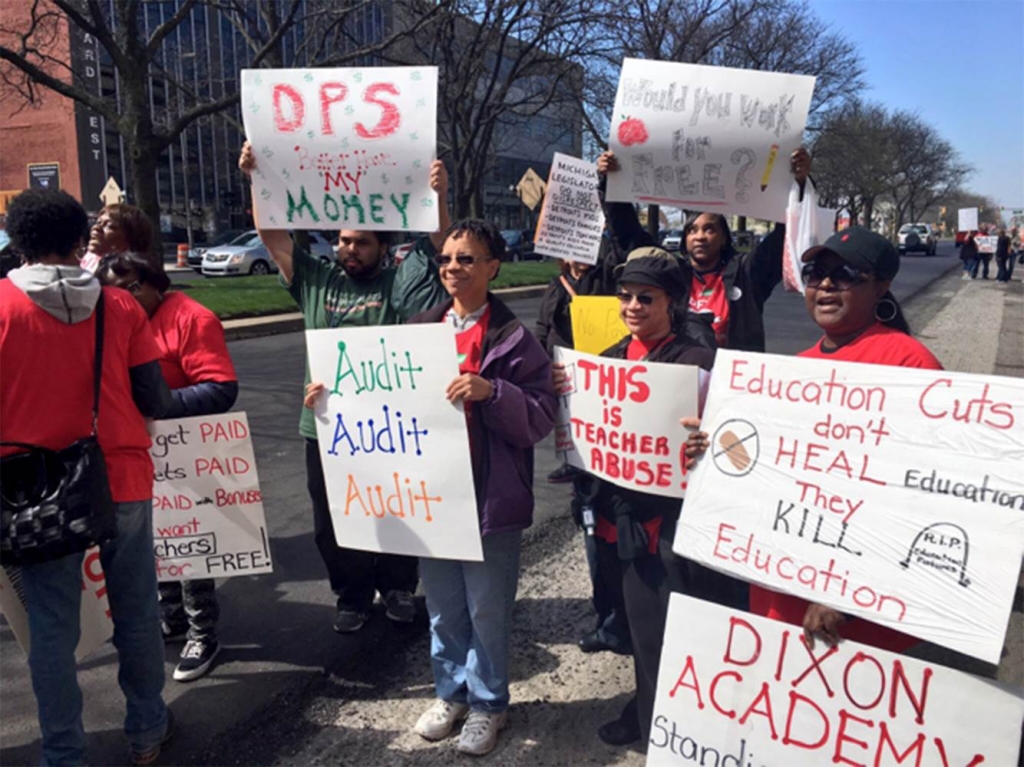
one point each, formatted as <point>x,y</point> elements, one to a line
<point>399,606</point>
<point>563,474</point>
<point>196,659</point>
<point>348,621</point>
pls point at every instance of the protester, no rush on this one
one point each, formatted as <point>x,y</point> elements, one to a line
<point>847,281</point>
<point>505,387</point>
<point>119,228</point>
<point>984,260</point>
<point>1004,262</point>
<point>363,292</point>
<point>197,367</point>
<point>635,530</point>
<point>969,255</point>
<point>47,338</point>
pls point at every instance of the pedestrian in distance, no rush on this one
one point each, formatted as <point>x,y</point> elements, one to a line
<point>52,313</point>
<point>504,385</point>
<point>196,364</point>
<point>848,280</point>
<point>1004,260</point>
<point>357,291</point>
<point>119,228</point>
<point>633,530</point>
<point>969,256</point>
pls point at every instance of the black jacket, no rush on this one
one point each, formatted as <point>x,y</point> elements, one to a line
<point>749,278</point>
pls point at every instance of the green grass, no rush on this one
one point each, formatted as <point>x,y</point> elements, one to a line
<point>253,296</point>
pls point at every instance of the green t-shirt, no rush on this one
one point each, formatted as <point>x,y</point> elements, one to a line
<point>329,298</point>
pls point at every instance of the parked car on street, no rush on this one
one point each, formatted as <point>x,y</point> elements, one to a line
<point>248,255</point>
<point>195,255</point>
<point>519,245</point>
<point>672,240</point>
<point>917,237</point>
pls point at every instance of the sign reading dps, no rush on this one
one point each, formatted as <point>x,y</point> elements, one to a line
<point>343,148</point>
<point>892,494</point>
<point>707,138</point>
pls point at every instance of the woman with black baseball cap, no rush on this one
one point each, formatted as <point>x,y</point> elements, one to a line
<point>847,281</point>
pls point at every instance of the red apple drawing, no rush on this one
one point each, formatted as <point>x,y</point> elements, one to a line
<point>632,131</point>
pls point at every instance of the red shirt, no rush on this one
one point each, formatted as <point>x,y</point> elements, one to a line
<point>878,345</point>
<point>47,392</point>
<point>707,296</point>
<point>191,341</point>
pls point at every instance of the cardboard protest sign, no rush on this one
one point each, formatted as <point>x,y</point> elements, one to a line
<point>596,323</point>
<point>96,625</point>
<point>737,690</point>
<point>208,517</point>
<point>707,138</point>
<point>571,221</point>
<point>395,452</point>
<point>892,494</point>
<point>987,244</point>
<point>619,420</point>
<point>343,148</point>
<point>967,219</point>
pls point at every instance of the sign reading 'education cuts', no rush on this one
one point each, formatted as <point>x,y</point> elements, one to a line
<point>395,452</point>
<point>738,690</point>
<point>208,517</point>
<point>343,148</point>
<point>707,138</point>
<point>571,222</point>
<point>892,494</point>
<point>619,420</point>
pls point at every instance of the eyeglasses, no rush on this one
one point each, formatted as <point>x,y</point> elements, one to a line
<point>460,260</point>
<point>627,298</point>
<point>842,277</point>
<point>134,287</point>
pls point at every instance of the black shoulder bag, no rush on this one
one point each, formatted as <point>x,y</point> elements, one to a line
<point>57,502</point>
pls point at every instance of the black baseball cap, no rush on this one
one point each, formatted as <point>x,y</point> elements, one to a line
<point>860,248</point>
<point>658,272</point>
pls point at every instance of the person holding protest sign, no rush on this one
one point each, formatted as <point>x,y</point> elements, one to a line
<point>119,228</point>
<point>58,322</point>
<point>196,364</point>
<point>362,292</point>
<point>847,282</point>
<point>634,530</point>
<point>506,389</point>
<point>969,255</point>
<point>728,289</point>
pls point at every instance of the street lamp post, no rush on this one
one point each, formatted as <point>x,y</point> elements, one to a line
<point>184,152</point>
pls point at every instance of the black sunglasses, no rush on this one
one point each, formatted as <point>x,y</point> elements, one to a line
<point>627,297</point>
<point>460,260</point>
<point>842,277</point>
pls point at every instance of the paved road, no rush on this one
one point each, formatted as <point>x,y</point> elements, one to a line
<point>277,629</point>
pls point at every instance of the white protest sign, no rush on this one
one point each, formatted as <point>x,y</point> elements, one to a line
<point>96,625</point>
<point>707,138</point>
<point>343,148</point>
<point>737,690</point>
<point>571,221</point>
<point>967,219</point>
<point>893,494</point>
<point>395,452</point>
<point>619,420</point>
<point>987,244</point>
<point>208,517</point>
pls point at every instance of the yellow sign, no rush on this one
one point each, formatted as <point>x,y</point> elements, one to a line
<point>531,188</point>
<point>596,324</point>
<point>111,194</point>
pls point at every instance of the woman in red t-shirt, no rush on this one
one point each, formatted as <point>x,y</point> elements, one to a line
<point>847,281</point>
<point>195,363</point>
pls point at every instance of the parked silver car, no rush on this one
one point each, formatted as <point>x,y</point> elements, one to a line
<point>248,255</point>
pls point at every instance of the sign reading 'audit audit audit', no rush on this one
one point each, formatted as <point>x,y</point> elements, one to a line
<point>891,494</point>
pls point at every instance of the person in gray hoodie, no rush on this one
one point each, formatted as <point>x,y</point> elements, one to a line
<point>49,312</point>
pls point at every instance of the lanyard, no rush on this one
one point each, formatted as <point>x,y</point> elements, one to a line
<point>661,343</point>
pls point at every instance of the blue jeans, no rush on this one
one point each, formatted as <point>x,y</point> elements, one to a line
<point>54,594</point>
<point>470,606</point>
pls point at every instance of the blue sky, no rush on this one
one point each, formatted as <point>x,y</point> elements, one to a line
<point>959,64</point>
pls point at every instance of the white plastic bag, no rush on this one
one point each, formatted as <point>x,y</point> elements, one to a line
<point>807,225</point>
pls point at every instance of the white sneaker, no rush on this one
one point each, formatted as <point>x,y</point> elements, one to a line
<point>438,721</point>
<point>480,732</point>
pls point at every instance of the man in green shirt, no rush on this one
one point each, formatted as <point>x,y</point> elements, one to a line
<point>362,292</point>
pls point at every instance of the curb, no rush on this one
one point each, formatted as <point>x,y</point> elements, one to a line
<point>292,322</point>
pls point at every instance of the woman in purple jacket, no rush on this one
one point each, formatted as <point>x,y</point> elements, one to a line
<point>505,386</point>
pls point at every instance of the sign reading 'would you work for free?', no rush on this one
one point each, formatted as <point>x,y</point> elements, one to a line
<point>343,148</point>
<point>893,494</point>
<point>395,451</point>
<point>707,138</point>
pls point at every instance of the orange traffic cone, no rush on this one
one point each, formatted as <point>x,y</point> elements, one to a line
<point>182,256</point>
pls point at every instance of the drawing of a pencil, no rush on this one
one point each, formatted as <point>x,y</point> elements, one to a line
<point>772,154</point>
